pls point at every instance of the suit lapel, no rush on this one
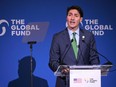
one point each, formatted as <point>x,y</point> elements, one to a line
<point>81,33</point>
<point>68,41</point>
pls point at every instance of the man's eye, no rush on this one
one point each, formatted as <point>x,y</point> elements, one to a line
<point>69,15</point>
<point>76,15</point>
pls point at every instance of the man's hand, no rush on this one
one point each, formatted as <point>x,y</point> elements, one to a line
<point>65,71</point>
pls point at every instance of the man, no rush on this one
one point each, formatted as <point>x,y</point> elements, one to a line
<point>62,50</point>
<point>26,76</point>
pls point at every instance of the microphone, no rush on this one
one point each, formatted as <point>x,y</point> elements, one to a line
<point>31,43</point>
<point>108,61</point>
<point>63,56</point>
<point>66,50</point>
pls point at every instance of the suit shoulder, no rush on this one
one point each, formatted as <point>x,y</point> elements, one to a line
<point>59,34</point>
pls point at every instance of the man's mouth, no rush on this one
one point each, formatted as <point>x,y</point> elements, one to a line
<point>72,22</point>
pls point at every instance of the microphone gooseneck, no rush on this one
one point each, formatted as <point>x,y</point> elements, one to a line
<point>65,52</point>
<point>108,61</point>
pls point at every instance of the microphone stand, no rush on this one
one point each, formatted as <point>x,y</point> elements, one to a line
<point>107,63</point>
<point>31,49</point>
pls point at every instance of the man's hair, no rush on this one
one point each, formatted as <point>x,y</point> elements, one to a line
<point>76,8</point>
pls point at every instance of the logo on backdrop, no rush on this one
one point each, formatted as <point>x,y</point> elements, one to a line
<point>97,28</point>
<point>3,29</point>
<point>18,27</point>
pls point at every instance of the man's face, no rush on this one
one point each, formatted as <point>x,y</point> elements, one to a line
<point>73,19</point>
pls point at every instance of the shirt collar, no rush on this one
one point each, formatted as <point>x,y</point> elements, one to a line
<point>70,32</point>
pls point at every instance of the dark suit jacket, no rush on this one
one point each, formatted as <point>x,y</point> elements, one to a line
<point>61,52</point>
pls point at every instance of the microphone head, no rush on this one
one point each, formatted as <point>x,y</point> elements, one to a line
<point>71,40</point>
<point>107,63</point>
<point>32,42</point>
<point>78,46</point>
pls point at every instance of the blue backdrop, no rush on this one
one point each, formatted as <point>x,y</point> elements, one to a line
<point>13,49</point>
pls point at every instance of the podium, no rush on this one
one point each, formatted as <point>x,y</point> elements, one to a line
<point>84,76</point>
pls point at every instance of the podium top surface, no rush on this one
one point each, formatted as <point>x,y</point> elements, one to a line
<point>89,66</point>
<point>104,69</point>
